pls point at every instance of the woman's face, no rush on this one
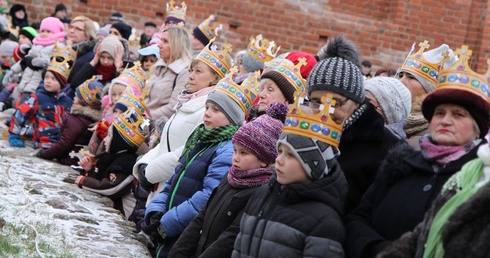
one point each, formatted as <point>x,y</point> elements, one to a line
<point>269,93</point>
<point>376,104</point>
<point>164,46</point>
<point>452,125</point>
<point>200,77</point>
<point>76,32</point>
<point>115,32</point>
<point>20,14</point>
<point>413,85</point>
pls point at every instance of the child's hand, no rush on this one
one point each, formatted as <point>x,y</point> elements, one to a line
<point>86,163</point>
<point>7,78</point>
<point>118,59</point>
<point>95,60</point>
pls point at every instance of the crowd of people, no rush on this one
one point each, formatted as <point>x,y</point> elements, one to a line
<point>259,155</point>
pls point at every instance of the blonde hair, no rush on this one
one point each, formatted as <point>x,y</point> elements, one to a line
<point>89,26</point>
<point>180,44</point>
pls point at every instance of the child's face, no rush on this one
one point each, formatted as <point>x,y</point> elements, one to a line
<point>213,117</point>
<point>24,40</point>
<point>269,93</point>
<point>106,59</point>
<point>200,77</point>
<point>50,83</point>
<point>243,159</point>
<point>288,168</point>
<point>45,34</point>
<point>20,14</point>
<point>5,59</point>
<point>149,61</point>
<point>117,91</point>
<point>76,100</point>
<point>117,112</point>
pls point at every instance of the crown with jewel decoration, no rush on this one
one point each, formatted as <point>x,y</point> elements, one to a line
<point>417,64</point>
<point>62,59</point>
<point>131,125</point>
<point>216,59</point>
<point>90,91</point>
<point>134,78</point>
<point>131,100</point>
<point>292,72</point>
<point>209,30</point>
<point>461,77</point>
<point>176,11</point>
<point>245,93</point>
<point>318,126</point>
<point>262,48</point>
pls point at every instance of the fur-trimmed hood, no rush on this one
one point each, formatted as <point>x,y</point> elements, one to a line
<point>92,114</point>
<point>84,47</point>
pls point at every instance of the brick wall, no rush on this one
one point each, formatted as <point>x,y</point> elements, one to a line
<point>383,29</point>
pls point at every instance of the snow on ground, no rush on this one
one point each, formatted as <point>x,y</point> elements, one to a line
<point>42,216</point>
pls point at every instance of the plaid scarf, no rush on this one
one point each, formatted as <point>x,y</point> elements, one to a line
<point>248,178</point>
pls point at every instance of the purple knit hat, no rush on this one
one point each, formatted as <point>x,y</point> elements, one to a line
<point>260,135</point>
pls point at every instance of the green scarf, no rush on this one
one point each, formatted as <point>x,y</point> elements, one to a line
<point>464,183</point>
<point>208,136</point>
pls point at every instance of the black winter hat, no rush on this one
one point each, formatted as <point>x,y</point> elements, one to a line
<point>60,7</point>
<point>123,28</point>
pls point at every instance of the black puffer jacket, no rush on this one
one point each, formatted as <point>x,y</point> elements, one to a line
<point>296,220</point>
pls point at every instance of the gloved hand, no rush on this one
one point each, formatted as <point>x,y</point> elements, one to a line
<point>153,227</point>
<point>15,78</point>
<point>147,186</point>
<point>40,62</point>
<point>14,141</point>
<point>24,48</point>
<point>7,78</point>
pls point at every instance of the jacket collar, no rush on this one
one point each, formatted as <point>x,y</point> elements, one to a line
<point>176,66</point>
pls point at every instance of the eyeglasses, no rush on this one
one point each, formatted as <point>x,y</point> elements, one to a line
<point>75,28</point>
<point>315,104</point>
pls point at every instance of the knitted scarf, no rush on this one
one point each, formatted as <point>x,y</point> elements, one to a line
<point>208,137</point>
<point>415,123</point>
<point>464,184</point>
<point>353,118</point>
<point>186,95</point>
<point>248,178</point>
<point>60,37</point>
<point>107,71</point>
<point>441,155</point>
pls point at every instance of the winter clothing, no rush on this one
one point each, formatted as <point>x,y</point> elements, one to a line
<point>45,111</point>
<point>296,220</point>
<point>162,159</point>
<point>116,17</point>
<point>250,63</point>
<point>55,26</point>
<point>281,76</point>
<point>406,186</point>
<point>393,97</point>
<point>310,62</point>
<point>228,106</point>
<point>85,54</point>
<point>186,193</point>
<point>205,31</point>
<point>29,32</point>
<point>7,48</point>
<point>90,94</point>
<point>123,28</point>
<point>175,14</point>
<point>109,45</point>
<point>162,94</point>
<point>415,124</point>
<point>16,22</point>
<point>73,132</point>
<point>465,233</point>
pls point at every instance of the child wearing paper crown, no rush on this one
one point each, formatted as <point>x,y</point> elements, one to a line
<point>205,159</point>
<point>37,60</point>
<point>84,112</point>
<point>298,214</point>
<point>44,111</point>
<point>111,175</point>
<point>213,231</point>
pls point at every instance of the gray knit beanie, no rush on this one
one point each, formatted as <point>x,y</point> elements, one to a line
<point>7,48</point>
<point>228,106</point>
<point>250,63</point>
<point>393,97</point>
<point>338,70</point>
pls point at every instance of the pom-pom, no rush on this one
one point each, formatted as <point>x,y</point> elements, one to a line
<point>277,111</point>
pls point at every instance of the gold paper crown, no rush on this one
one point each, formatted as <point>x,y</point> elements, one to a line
<point>131,125</point>
<point>135,79</point>
<point>91,94</point>
<point>208,30</point>
<point>243,94</point>
<point>292,73</point>
<point>130,100</point>
<point>215,59</point>
<point>262,49</point>
<point>417,64</point>
<point>62,59</point>
<point>461,77</point>
<point>318,126</point>
<point>175,11</point>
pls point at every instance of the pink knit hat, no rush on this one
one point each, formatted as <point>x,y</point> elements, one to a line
<point>52,24</point>
<point>260,135</point>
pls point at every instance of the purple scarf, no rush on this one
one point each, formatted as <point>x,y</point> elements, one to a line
<point>440,154</point>
<point>249,178</point>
